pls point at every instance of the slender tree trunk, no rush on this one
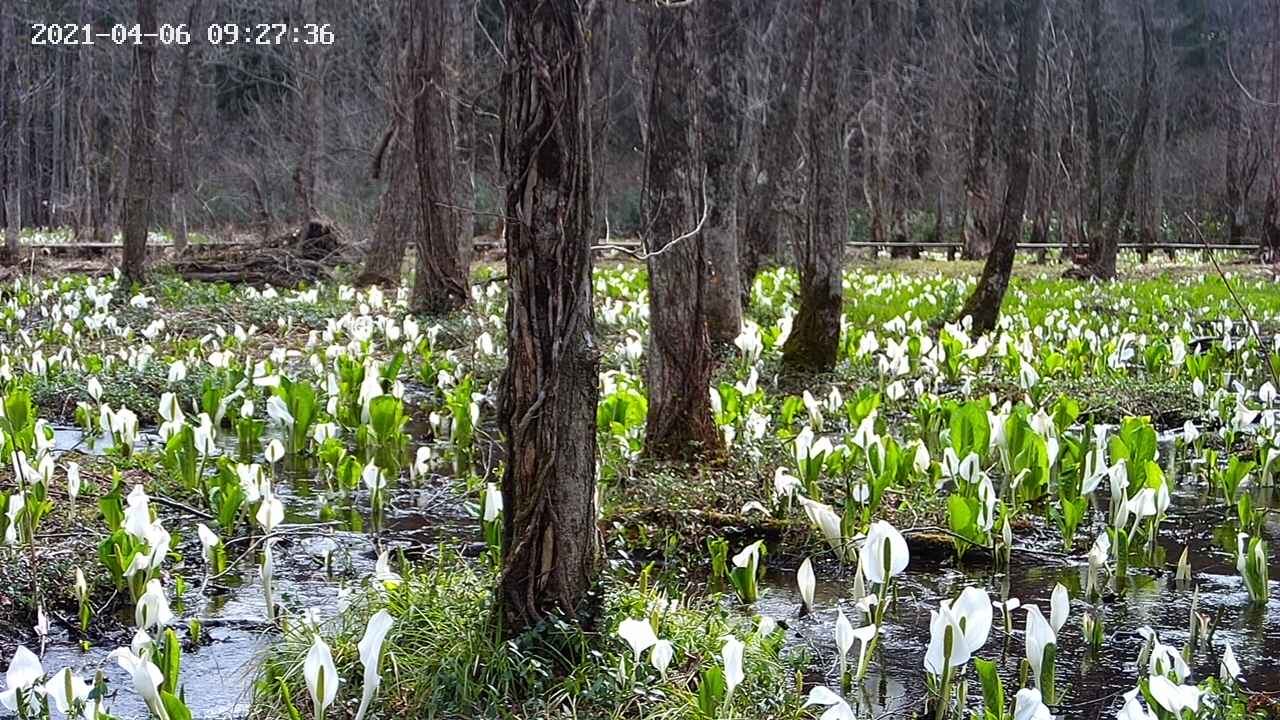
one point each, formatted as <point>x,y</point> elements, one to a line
<point>396,220</point>
<point>721,130</point>
<point>774,193</point>
<point>440,283</point>
<point>984,305</point>
<point>11,138</point>
<point>310,110</point>
<point>679,423</point>
<point>602,50</point>
<point>178,152</point>
<point>1160,159</point>
<point>142,136</point>
<point>981,109</point>
<point>461,50</point>
<point>1271,221</point>
<point>551,547</point>
<point>1105,245</point>
<point>815,332</point>
<point>1093,118</point>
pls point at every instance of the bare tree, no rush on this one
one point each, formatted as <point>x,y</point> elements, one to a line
<point>10,139</point>
<point>773,196</point>
<point>179,129</point>
<point>142,136</point>
<point>551,548</point>
<point>397,219</point>
<point>815,332</point>
<point>679,423</point>
<point>1105,244</point>
<point>983,306</point>
<point>721,131</point>
<point>440,283</point>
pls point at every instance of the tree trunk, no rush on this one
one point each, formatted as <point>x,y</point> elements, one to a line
<point>815,332</point>
<point>440,283</point>
<point>1160,159</point>
<point>397,217</point>
<point>679,423</point>
<point>1271,221</point>
<point>396,220</point>
<point>11,138</point>
<point>602,49</point>
<point>1093,118</point>
<point>984,305</point>
<point>774,193</point>
<point>461,49</point>
<point>1105,245</point>
<point>178,153</point>
<point>981,109</point>
<point>310,109</point>
<point>142,136</point>
<point>721,130</point>
<point>551,547</point>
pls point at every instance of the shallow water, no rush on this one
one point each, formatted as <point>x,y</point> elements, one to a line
<point>1090,683</point>
<point>217,675</point>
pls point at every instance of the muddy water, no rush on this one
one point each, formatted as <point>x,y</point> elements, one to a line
<point>325,542</point>
<point>1091,682</point>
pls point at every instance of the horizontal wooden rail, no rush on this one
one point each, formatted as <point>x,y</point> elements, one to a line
<point>45,245</point>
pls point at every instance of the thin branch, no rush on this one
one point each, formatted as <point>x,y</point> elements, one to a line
<point>1195,227</point>
<point>1245,90</point>
<point>643,255</point>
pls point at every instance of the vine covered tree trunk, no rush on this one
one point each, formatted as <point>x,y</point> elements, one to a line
<point>679,423</point>
<point>440,282</point>
<point>815,333</point>
<point>983,305</point>
<point>551,547</point>
<point>142,135</point>
<point>779,153</point>
<point>721,131</point>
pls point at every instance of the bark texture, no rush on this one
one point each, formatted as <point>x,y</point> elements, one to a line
<point>10,140</point>
<point>179,126</point>
<point>983,305</point>
<point>721,132</point>
<point>678,372</point>
<point>815,331</point>
<point>396,220</point>
<point>773,196</point>
<point>440,283</point>
<point>142,137</point>
<point>398,217</point>
<point>551,547</point>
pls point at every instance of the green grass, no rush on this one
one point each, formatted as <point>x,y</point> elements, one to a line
<point>443,659</point>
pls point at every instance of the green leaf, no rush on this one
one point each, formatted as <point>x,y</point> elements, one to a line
<point>710,692</point>
<point>992,688</point>
<point>174,707</point>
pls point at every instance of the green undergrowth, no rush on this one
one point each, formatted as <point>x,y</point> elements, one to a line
<point>443,659</point>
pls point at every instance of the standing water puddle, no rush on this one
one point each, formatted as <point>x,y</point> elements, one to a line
<point>1089,683</point>
<point>217,675</point>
